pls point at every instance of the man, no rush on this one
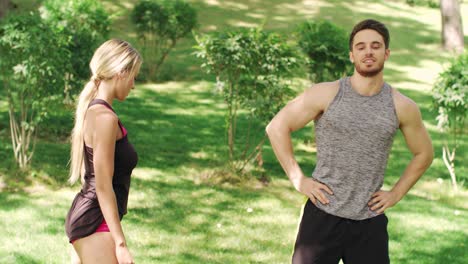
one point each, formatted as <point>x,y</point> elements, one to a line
<point>355,119</point>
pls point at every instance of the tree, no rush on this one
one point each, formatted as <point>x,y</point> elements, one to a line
<point>452,27</point>
<point>251,67</point>
<point>160,25</point>
<point>450,95</point>
<point>85,24</point>
<point>326,48</point>
<point>32,59</point>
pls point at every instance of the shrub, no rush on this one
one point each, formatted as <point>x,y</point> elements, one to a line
<point>33,59</point>
<point>86,25</point>
<point>160,25</point>
<point>251,67</point>
<point>450,94</point>
<point>326,47</point>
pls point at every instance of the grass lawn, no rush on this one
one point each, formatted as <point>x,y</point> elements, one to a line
<point>176,215</point>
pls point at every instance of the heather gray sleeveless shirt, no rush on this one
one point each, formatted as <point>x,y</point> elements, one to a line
<point>354,137</point>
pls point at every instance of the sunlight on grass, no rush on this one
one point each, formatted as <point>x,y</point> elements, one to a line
<point>177,86</point>
<point>431,126</point>
<point>146,173</point>
<point>306,147</point>
<point>198,155</point>
<point>227,4</point>
<point>256,15</point>
<point>168,86</point>
<point>237,23</point>
<point>308,9</point>
<point>423,224</point>
<point>422,76</point>
<point>45,226</point>
<point>399,10</point>
<point>441,190</point>
<point>115,6</point>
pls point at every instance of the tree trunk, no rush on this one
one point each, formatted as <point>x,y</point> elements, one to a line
<point>452,27</point>
<point>449,158</point>
<point>231,123</point>
<point>4,6</point>
<point>21,135</point>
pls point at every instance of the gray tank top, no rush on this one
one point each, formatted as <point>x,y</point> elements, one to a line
<point>354,137</point>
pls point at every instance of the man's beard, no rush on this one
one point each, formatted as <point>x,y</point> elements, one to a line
<point>368,73</point>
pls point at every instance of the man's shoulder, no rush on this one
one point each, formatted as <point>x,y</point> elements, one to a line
<point>402,102</point>
<point>405,107</point>
<point>320,95</point>
<point>324,88</point>
<point>327,85</point>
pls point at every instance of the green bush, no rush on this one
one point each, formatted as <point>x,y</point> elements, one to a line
<point>326,47</point>
<point>32,63</point>
<point>428,3</point>
<point>160,25</point>
<point>252,69</point>
<point>86,25</point>
<point>450,94</point>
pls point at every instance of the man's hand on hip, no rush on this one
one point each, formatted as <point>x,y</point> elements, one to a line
<point>313,189</point>
<point>382,200</point>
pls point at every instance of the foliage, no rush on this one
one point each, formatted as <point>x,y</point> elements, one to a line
<point>450,95</point>
<point>33,59</point>
<point>428,3</point>
<point>160,24</point>
<point>326,46</point>
<point>86,25</point>
<point>251,67</point>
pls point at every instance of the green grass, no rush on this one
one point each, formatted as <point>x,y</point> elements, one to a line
<point>175,214</point>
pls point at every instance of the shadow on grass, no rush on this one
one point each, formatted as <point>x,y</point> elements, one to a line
<point>16,257</point>
<point>166,129</point>
<point>206,214</point>
<point>12,201</point>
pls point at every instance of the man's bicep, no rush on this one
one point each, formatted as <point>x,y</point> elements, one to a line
<point>415,133</point>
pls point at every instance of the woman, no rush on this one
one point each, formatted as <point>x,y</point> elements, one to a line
<point>102,157</point>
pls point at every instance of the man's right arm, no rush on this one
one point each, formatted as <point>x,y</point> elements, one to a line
<point>295,115</point>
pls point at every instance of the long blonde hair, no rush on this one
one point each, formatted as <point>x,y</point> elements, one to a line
<point>112,57</point>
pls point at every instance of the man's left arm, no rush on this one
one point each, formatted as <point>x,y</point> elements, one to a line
<point>419,143</point>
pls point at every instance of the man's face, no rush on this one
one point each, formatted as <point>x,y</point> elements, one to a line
<point>368,53</point>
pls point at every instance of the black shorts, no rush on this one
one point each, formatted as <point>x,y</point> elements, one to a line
<point>325,239</point>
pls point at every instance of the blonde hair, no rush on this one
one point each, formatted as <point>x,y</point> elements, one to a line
<point>112,57</point>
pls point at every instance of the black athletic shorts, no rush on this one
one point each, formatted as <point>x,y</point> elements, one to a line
<point>325,239</point>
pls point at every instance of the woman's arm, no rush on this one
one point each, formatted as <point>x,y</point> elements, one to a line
<point>105,132</point>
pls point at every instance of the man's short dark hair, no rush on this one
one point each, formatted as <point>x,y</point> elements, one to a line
<point>370,24</point>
